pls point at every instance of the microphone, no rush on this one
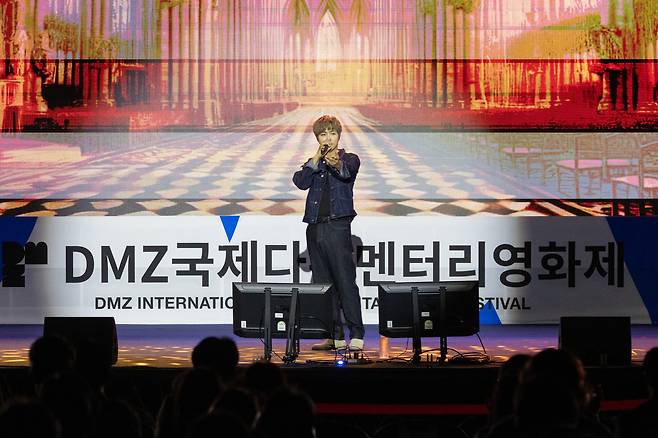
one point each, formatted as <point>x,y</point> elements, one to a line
<point>324,150</point>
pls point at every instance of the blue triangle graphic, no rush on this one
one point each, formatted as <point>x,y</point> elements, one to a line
<point>640,236</point>
<point>229,223</point>
<point>488,315</point>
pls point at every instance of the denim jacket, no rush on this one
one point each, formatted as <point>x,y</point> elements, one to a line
<point>341,184</point>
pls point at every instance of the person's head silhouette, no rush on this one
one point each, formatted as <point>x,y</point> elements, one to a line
<point>218,354</point>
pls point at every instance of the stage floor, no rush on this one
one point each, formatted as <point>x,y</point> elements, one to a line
<point>170,346</point>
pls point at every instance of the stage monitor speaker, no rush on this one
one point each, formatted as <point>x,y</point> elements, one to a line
<point>597,340</point>
<point>102,331</point>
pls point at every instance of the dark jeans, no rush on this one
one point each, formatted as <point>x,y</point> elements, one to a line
<point>330,250</point>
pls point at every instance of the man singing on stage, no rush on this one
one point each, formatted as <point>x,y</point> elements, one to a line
<point>330,175</point>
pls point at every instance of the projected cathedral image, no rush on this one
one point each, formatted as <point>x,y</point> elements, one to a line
<point>259,199</point>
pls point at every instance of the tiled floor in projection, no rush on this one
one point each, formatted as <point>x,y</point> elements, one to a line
<point>249,169</point>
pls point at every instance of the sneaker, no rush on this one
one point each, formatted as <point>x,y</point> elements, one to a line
<point>356,344</point>
<point>329,344</point>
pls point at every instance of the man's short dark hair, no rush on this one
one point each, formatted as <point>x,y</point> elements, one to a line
<point>324,122</point>
<point>218,354</point>
<point>51,356</point>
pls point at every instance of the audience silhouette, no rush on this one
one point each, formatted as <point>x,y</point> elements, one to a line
<point>643,421</point>
<point>28,419</point>
<point>263,379</point>
<point>551,400</point>
<point>288,413</point>
<point>218,424</point>
<point>238,402</point>
<point>51,356</point>
<point>218,354</point>
<point>75,395</point>
<point>501,403</point>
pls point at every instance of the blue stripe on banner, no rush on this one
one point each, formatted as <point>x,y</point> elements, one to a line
<point>488,315</point>
<point>14,229</point>
<point>640,237</point>
<point>229,223</point>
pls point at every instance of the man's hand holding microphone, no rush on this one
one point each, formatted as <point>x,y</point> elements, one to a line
<point>330,156</point>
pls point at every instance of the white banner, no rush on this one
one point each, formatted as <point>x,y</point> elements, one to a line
<point>179,270</point>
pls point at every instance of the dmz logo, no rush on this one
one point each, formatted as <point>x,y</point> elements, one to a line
<point>14,258</point>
